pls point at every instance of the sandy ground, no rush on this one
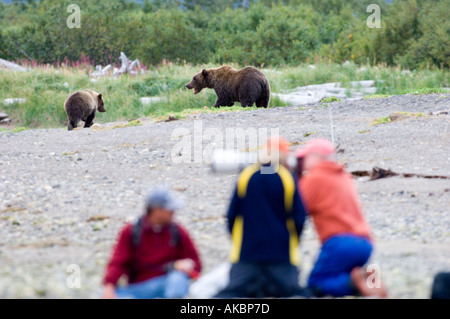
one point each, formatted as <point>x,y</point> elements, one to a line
<point>65,195</point>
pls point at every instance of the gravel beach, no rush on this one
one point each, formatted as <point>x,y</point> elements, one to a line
<point>65,195</point>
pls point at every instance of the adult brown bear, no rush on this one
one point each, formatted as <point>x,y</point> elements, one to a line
<point>248,86</point>
<point>82,105</point>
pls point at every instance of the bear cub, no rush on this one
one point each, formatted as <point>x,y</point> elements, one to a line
<point>82,105</point>
<point>248,86</point>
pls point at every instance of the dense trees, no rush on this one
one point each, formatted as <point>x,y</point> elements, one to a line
<point>413,33</point>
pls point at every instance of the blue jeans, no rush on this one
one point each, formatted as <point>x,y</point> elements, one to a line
<point>173,285</point>
<point>338,256</point>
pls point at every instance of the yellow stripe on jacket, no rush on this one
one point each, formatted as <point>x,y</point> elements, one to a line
<point>289,192</point>
<point>237,232</point>
<point>238,225</point>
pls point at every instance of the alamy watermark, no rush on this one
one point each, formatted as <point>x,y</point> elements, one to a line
<point>74,20</point>
<point>73,280</point>
<point>374,20</point>
<point>198,144</point>
<point>374,278</point>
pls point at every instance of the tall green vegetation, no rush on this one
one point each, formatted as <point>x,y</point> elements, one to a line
<point>46,88</point>
<point>413,34</point>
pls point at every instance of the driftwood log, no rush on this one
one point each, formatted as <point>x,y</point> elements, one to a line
<point>12,66</point>
<point>378,172</point>
<point>101,72</point>
<point>127,66</point>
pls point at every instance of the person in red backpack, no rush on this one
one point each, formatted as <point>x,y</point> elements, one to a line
<point>156,254</point>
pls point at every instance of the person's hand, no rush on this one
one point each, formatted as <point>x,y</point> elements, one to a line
<point>109,292</point>
<point>184,265</point>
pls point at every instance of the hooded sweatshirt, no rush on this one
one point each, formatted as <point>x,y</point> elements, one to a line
<point>331,200</point>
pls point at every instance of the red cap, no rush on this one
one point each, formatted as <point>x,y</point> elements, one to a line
<point>278,142</point>
<point>318,146</point>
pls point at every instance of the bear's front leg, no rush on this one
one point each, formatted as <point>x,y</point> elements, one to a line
<point>72,125</point>
<point>219,103</point>
<point>223,101</point>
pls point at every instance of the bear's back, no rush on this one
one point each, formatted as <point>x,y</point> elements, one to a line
<point>80,104</point>
<point>87,96</point>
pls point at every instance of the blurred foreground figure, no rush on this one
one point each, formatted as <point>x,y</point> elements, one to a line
<point>331,200</point>
<point>156,254</point>
<point>265,219</point>
<point>441,286</point>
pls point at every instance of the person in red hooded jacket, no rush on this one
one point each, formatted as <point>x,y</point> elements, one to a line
<point>332,202</point>
<point>156,254</point>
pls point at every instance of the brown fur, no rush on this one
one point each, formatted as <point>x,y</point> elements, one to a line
<point>247,86</point>
<point>82,105</point>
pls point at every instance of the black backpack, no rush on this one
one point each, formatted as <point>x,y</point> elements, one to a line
<point>137,231</point>
<point>136,238</point>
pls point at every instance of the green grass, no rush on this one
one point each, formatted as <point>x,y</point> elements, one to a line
<point>417,114</point>
<point>381,120</point>
<point>46,89</point>
<point>375,96</point>
<point>193,111</point>
<point>330,99</point>
<point>16,129</point>
<point>309,133</point>
<point>19,129</point>
<point>426,90</point>
<point>134,123</point>
<point>393,117</point>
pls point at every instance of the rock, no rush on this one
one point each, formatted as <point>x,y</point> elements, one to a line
<point>171,118</point>
<point>96,126</point>
<point>3,116</point>
<point>440,112</point>
<point>12,66</point>
<point>14,100</point>
<point>314,93</point>
<point>151,100</point>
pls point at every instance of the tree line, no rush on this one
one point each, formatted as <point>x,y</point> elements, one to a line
<point>413,33</point>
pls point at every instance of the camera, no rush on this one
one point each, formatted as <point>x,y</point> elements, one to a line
<point>233,162</point>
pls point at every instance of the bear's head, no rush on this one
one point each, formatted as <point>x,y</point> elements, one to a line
<point>199,82</point>
<point>100,103</point>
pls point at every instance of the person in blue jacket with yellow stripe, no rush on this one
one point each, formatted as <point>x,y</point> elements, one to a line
<point>265,219</point>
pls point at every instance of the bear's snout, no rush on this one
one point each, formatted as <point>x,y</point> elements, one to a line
<point>189,86</point>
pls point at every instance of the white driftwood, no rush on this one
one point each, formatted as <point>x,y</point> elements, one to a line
<point>127,66</point>
<point>123,68</point>
<point>12,66</point>
<point>14,100</point>
<point>132,65</point>
<point>100,72</point>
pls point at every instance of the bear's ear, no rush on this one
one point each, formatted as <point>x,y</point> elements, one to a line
<point>204,73</point>
<point>99,96</point>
